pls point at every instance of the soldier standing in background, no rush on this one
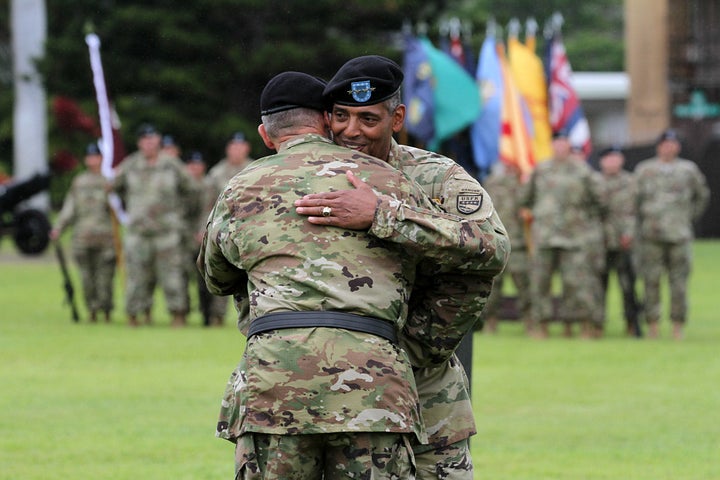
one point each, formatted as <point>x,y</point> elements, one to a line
<point>619,232</point>
<point>237,157</point>
<point>672,194</point>
<point>504,186</point>
<point>155,190</point>
<point>87,210</point>
<point>563,195</point>
<point>196,218</point>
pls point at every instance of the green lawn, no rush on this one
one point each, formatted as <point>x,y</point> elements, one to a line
<point>82,401</point>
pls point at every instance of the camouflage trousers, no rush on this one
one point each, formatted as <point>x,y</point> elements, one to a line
<point>580,285</point>
<point>362,455</point>
<point>655,259</point>
<point>452,462</point>
<point>97,271</point>
<point>152,258</point>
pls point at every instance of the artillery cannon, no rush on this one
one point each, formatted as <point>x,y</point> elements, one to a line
<point>29,227</point>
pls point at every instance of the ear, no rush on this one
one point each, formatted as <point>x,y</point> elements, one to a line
<point>398,118</point>
<point>264,136</point>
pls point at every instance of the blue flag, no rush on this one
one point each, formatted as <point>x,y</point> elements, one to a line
<point>485,132</point>
<point>438,91</point>
<point>418,91</point>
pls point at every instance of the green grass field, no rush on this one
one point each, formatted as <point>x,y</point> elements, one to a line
<point>83,401</point>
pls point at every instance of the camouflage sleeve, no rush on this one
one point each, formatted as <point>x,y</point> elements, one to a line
<point>66,217</point>
<point>221,276</point>
<point>629,209</point>
<point>453,242</point>
<point>445,306</point>
<point>119,185</point>
<point>702,194</point>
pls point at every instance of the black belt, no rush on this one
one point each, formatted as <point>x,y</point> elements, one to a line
<point>348,321</point>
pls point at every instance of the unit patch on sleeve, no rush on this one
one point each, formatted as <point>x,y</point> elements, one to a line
<point>468,203</point>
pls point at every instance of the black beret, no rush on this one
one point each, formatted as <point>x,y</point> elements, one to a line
<point>669,134</point>
<point>236,137</point>
<point>364,80</point>
<point>290,90</point>
<point>562,133</point>
<point>147,129</point>
<point>92,149</point>
<point>195,157</point>
<point>168,141</point>
<point>609,150</point>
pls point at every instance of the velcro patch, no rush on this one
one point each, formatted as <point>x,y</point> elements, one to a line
<point>468,203</point>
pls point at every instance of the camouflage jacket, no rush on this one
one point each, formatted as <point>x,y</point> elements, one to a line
<point>621,218</point>
<point>671,196</point>
<point>155,197</point>
<point>504,187</point>
<point>87,210</point>
<point>444,307</point>
<point>565,198</point>
<point>352,381</point>
<point>220,174</point>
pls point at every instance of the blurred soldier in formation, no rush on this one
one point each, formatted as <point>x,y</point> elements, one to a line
<point>86,209</point>
<point>196,218</point>
<point>237,157</point>
<point>619,228</point>
<point>672,194</point>
<point>155,190</point>
<point>562,197</point>
<point>504,186</point>
<point>169,147</point>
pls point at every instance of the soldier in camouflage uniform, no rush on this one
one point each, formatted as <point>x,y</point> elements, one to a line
<point>504,185</point>
<point>196,217</point>
<point>619,228</point>
<point>155,190</point>
<point>443,308</point>
<point>342,399</point>
<point>87,210</point>
<point>237,157</point>
<point>563,196</point>
<point>672,194</point>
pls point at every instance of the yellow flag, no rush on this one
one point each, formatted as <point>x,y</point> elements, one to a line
<point>529,75</point>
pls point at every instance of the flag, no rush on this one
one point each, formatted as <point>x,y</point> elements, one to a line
<point>456,49</point>
<point>418,90</point>
<point>485,132</point>
<point>515,138</point>
<point>566,113</point>
<point>454,103</point>
<point>529,75</point>
<point>109,122</point>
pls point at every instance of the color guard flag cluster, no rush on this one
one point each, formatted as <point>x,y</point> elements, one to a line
<point>510,108</point>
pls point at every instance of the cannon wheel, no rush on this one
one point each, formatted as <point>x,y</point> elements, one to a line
<point>32,229</point>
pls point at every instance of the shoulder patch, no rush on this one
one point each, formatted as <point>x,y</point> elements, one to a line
<point>469,203</point>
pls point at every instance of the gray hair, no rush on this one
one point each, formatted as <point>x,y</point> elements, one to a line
<point>287,122</point>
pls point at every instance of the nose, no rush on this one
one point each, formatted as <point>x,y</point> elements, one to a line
<point>352,127</point>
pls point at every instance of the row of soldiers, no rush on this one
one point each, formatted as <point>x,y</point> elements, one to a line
<point>583,224</point>
<point>164,204</point>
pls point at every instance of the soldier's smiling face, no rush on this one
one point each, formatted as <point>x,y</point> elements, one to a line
<point>368,129</point>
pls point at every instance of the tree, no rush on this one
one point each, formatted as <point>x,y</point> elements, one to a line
<point>196,68</point>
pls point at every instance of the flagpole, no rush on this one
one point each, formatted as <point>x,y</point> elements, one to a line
<point>106,142</point>
<point>107,146</point>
